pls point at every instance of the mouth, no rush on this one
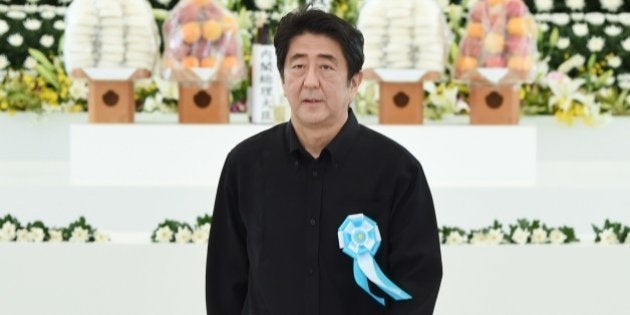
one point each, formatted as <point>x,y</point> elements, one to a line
<point>311,100</point>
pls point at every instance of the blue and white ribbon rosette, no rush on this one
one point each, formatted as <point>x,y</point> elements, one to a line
<point>359,238</point>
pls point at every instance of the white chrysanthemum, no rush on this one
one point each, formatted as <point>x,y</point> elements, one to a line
<point>265,4</point>
<point>557,237</point>
<point>16,15</point>
<point>543,17</point>
<point>78,89</point>
<point>15,40</point>
<point>47,14</point>
<point>614,62</point>
<point>595,18</point>
<point>164,234</point>
<point>543,5</point>
<point>612,18</point>
<point>59,25</point>
<point>624,18</point>
<point>580,29</point>
<point>495,237</point>
<point>168,88</point>
<point>7,233</point>
<point>30,63</point>
<point>561,19</point>
<point>100,237</point>
<point>577,16</point>
<point>575,5</point>
<point>611,5</point>
<point>55,236</point>
<point>4,27</point>
<point>23,236</point>
<point>32,24</point>
<point>47,40</point>
<point>164,2</point>
<point>612,30</point>
<point>596,44</point>
<point>454,238</point>
<point>626,44</point>
<point>184,235</point>
<point>4,62</point>
<point>608,237</point>
<point>563,42</point>
<point>543,27</point>
<point>150,105</point>
<point>625,85</point>
<point>79,235</point>
<point>539,236</point>
<point>37,235</point>
<point>200,235</point>
<point>478,238</point>
<point>30,8</point>
<point>520,236</point>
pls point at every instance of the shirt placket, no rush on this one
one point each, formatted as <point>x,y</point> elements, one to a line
<point>313,222</point>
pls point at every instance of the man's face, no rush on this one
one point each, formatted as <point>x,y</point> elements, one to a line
<point>316,81</point>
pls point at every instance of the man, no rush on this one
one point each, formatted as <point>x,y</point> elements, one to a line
<point>284,193</point>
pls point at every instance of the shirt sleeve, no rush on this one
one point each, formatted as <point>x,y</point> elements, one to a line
<point>414,257</point>
<point>227,263</point>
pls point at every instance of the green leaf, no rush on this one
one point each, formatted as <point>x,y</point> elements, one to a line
<point>41,59</point>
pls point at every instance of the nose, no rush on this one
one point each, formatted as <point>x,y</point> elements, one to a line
<point>311,80</point>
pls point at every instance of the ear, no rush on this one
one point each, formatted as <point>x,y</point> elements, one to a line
<point>355,81</point>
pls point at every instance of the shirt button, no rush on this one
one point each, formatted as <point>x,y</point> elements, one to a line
<point>314,173</point>
<point>312,222</point>
<point>311,271</point>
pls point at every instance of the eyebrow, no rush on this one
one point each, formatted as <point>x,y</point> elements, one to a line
<point>328,57</point>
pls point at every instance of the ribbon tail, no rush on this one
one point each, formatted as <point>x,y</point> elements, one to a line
<point>362,281</point>
<point>372,271</point>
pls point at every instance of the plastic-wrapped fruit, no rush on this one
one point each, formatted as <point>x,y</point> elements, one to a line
<point>466,63</point>
<point>493,43</point>
<point>507,33</point>
<point>198,34</point>
<point>470,47</point>
<point>523,64</point>
<point>518,45</point>
<point>515,8</point>
<point>495,61</point>
<point>475,30</point>
<point>191,32</point>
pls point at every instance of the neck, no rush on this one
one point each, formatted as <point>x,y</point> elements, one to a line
<point>316,138</point>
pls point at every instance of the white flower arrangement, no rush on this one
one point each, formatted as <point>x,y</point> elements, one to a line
<point>563,43</point>
<point>580,29</point>
<point>596,44</point>
<point>612,233</point>
<point>521,233</point>
<point>575,5</point>
<point>613,30</point>
<point>543,5</point>
<point>595,18</point>
<point>172,231</point>
<point>611,5</point>
<point>15,40</point>
<point>79,231</point>
<point>560,19</point>
<point>614,62</point>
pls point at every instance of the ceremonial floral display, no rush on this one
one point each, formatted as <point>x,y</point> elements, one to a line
<point>582,70</point>
<point>79,231</point>
<point>172,231</point>
<point>521,233</point>
<point>612,233</point>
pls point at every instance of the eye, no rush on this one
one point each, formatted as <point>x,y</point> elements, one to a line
<point>297,66</point>
<point>326,67</point>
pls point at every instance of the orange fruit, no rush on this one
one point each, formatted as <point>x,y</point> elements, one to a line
<point>208,62</point>
<point>191,32</point>
<point>475,30</point>
<point>212,30</point>
<point>190,62</point>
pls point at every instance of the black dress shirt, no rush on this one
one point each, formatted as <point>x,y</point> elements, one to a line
<point>273,245</point>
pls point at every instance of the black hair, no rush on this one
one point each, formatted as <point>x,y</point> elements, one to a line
<point>307,20</point>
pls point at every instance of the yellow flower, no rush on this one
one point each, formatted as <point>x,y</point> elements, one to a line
<point>4,105</point>
<point>47,95</point>
<point>76,108</point>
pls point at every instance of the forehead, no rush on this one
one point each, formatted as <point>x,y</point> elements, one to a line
<point>313,45</point>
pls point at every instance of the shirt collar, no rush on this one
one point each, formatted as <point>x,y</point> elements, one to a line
<point>338,147</point>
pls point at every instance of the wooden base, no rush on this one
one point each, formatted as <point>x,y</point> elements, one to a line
<point>494,104</point>
<point>401,103</point>
<point>111,101</point>
<point>199,105</point>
